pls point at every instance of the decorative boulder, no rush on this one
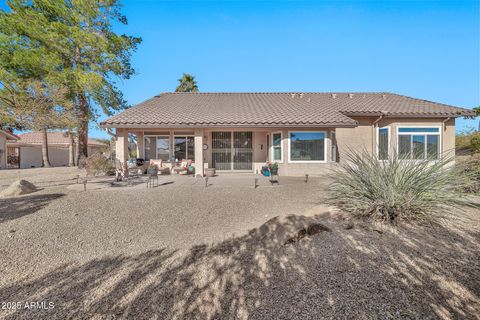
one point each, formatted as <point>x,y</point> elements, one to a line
<point>17,188</point>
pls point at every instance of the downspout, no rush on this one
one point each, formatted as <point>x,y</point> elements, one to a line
<point>444,123</point>
<point>374,136</point>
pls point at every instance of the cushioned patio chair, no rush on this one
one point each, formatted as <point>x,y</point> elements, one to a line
<point>161,168</point>
<point>183,167</point>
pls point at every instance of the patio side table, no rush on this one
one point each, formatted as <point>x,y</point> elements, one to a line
<point>152,178</point>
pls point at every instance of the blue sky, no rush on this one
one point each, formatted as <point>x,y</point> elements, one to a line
<point>427,49</point>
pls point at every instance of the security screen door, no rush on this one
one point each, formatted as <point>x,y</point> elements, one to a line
<point>232,150</point>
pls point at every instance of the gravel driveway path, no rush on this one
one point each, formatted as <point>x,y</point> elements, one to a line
<point>182,251</point>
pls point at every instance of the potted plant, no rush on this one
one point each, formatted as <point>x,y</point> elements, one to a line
<point>152,169</point>
<point>273,167</point>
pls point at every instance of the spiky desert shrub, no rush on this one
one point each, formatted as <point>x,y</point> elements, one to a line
<point>395,188</point>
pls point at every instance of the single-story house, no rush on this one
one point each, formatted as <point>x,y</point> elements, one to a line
<point>26,152</point>
<point>304,132</point>
<point>4,137</point>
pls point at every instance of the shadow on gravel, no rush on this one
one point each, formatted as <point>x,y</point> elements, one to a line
<point>17,207</point>
<point>418,272</point>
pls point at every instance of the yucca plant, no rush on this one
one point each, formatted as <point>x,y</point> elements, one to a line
<point>395,188</point>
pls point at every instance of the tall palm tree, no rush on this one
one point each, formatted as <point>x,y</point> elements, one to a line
<point>187,84</point>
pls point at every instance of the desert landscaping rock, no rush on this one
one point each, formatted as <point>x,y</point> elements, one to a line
<point>348,225</point>
<point>18,188</point>
<point>182,251</point>
<point>312,229</point>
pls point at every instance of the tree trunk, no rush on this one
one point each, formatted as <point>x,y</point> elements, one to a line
<point>71,149</point>
<point>45,159</point>
<point>83,130</point>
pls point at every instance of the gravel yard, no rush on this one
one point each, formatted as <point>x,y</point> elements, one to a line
<point>183,251</point>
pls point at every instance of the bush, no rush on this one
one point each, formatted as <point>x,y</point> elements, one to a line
<point>469,140</point>
<point>470,168</point>
<point>475,142</point>
<point>395,189</point>
<point>98,164</point>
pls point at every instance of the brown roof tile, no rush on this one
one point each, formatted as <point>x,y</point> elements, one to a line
<point>269,109</point>
<point>54,138</point>
<point>9,135</point>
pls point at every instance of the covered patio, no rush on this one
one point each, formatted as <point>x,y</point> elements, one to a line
<point>228,150</point>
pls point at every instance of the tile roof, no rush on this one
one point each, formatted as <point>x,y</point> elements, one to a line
<point>54,138</point>
<point>9,135</point>
<point>270,109</point>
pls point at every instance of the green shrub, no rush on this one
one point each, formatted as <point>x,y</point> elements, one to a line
<point>98,164</point>
<point>395,189</point>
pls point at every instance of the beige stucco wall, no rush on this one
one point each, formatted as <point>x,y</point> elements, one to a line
<point>31,157</point>
<point>3,151</point>
<point>355,139</point>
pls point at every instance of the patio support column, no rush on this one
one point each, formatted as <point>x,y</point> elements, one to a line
<point>140,145</point>
<point>121,145</point>
<point>199,152</point>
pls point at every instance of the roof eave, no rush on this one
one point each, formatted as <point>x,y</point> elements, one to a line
<point>226,125</point>
<point>10,136</point>
<point>401,115</point>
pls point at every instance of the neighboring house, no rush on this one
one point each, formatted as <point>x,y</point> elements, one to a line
<point>26,152</point>
<point>4,137</point>
<point>304,132</point>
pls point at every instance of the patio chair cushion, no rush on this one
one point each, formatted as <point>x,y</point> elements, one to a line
<point>156,162</point>
<point>184,164</point>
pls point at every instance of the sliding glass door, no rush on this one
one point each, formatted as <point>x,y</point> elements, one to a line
<point>232,150</point>
<point>242,150</point>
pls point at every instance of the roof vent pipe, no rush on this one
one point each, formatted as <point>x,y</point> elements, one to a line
<point>293,95</point>
<point>301,95</point>
<point>350,95</point>
<point>334,95</point>
<point>384,96</point>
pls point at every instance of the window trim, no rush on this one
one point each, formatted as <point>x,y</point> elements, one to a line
<point>389,142</point>
<point>156,147</point>
<point>308,161</point>
<point>439,134</point>
<point>172,144</point>
<point>272,151</point>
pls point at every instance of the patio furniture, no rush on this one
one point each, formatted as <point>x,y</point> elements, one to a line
<point>159,164</point>
<point>152,178</point>
<point>121,170</point>
<point>183,167</point>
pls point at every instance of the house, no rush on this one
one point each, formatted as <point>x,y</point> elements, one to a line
<point>4,137</point>
<point>304,132</point>
<point>26,152</point>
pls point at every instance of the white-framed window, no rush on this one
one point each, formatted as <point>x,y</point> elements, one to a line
<point>307,146</point>
<point>419,143</point>
<point>184,147</point>
<point>383,143</point>
<point>157,147</point>
<point>277,150</point>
